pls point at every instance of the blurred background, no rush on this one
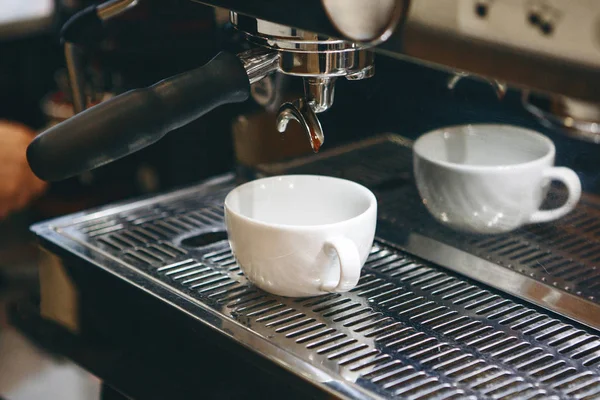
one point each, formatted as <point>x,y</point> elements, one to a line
<point>160,38</point>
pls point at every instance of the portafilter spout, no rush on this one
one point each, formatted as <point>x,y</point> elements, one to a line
<point>319,60</point>
<point>318,97</point>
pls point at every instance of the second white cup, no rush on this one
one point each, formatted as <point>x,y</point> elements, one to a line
<point>489,178</point>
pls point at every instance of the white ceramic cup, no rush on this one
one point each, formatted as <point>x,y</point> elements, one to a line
<point>487,178</point>
<point>301,235</point>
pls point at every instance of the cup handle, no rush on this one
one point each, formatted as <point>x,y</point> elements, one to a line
<point>571,181</point>
<point>350,265</point>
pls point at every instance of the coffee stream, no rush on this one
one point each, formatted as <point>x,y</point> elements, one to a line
<point>315,142</point>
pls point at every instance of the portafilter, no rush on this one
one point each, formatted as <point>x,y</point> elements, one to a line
<point>133,120</point>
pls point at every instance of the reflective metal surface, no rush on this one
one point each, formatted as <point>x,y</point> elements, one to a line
<point>113,8</point>
<point>305,53</point>
<point>552,265</point>
<point>287,38</point>
<point>549,55</point>
<point>320,93</point>
<point>565,117</point>
<point>302,112</point>
<point>409,329</point>
<point>259,63</point>
<point>318,59</point>
<point>76,71</point>
<point>499,87</point>
<point>366,22</point>
<point>338,64</point>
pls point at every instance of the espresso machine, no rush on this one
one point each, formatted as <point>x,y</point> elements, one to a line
<point>131,288</point>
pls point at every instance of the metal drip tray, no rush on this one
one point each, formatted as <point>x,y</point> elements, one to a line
<point>408,330</point>
<point>553,265</point>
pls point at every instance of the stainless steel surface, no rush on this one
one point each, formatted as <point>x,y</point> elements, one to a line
<point>319,60</point>
<point>302,112</point>
<point>408,330</point>
<point>327,64</point>
<point>286,38</point>
<point>370,22</point>
<point>549,46</point>
<point>319,93</point>
<point>259,63</point>
<point>112,8</point>
<point>499,87</point>
<point>303,53</point>
<point>579,127</point>
<point>77,82</point>
<point>552,265</point>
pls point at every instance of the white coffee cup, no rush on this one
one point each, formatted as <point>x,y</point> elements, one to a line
<point>488,178</point>
<point>301,235</point>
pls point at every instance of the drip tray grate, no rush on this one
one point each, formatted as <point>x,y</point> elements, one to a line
<point>408,330</point>
<point>541,263</point>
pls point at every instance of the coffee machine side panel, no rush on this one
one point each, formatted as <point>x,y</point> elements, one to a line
<point>550,47</point>
<point>569,31</point>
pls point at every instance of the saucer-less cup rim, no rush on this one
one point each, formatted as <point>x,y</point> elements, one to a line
<point>563,174</point>
<point>420,150</point>
<point>347,251</point>
<point>366,192</point>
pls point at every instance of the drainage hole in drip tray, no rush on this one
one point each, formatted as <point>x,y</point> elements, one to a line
<point>204,239</point>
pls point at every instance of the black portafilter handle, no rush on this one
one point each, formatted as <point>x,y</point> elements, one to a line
<point>135,119</point>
